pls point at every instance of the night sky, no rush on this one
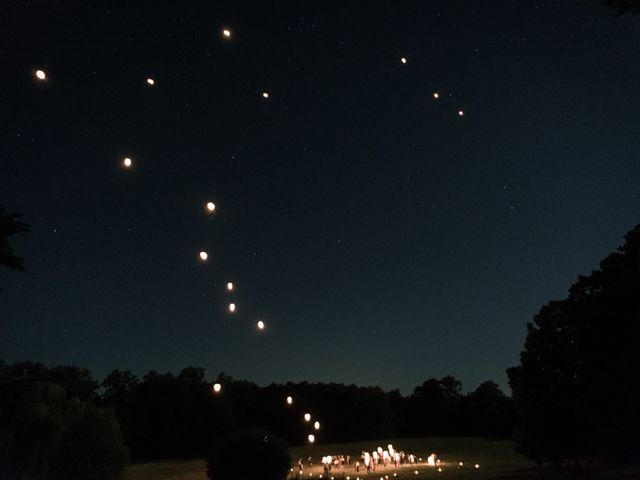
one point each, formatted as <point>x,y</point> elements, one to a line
<point>383,238</point>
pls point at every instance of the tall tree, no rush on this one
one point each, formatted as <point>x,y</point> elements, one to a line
<point>575,390</point>
<point>623,6</point>
<point>9,226</point>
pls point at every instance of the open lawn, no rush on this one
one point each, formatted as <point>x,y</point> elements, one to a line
<point>495,457</point>
<point>497,460</point>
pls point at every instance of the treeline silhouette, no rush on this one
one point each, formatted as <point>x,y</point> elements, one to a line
<point>170,416</point>
<point>576,389</point>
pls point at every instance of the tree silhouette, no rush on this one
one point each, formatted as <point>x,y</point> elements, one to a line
<point>9,226</point>
<point>575,390</point>
<point>623,6</point>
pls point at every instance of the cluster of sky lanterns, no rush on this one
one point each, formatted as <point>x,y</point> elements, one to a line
<point>127,163</point>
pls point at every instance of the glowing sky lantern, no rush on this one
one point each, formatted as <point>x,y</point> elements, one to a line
<point>403,60</point>
<point>316,425</point>
<point>260,325</point>
<point>460,113</point>
<point>204,256</point>
<point>477,466</point>
<point>226,32</point>
<point>265,94</point>
<point>436,95</point>
<point>127,162</point>
<point>217,387</point>
<point>312,438</point>
<point>229,286</point>
<point>211,206</point>
<point>151,81</point>
<point>40,75</point>
<point>289,400</point>
<point>232,307</point>
<point>307,417</point>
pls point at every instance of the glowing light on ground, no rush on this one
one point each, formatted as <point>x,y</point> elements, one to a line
<point>204,256</point>
<point>260,325</point>
<point>151,81</point>
<point>211,206</point>
<point>40,75</point>
<point>312,438</point>
<point>127,162</point>
<point>289,400</point>
<point>477,466</point>
<point>307,417</point>
<point>229,286</point>
<point>316,425</point>
<point>232,307</point>
<point>226,32</point>
<point>217,387</point>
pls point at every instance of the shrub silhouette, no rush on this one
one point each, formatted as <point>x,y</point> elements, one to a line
<point>261,455</point>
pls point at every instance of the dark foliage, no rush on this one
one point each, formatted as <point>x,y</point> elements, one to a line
<point>623,6</point>
<point>261,454</point>
<point>575,390</point>
<point>9,226</point>
<point>167,416</point>
<point>77,382</point>
<point>45,436</point>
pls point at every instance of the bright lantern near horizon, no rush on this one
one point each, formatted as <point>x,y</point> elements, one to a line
<point>289,400</point>
<point>127,162</point>
<point>307,417</point>
<point>436,95</point>
<point>151,81</point>
<point>40,75</point>
<point>204,256</point>
<point>312,438</point>
<point>229,286</point>
<point>260,325</point>
<point>460,113</point>
<point>403,60</point>
<point>316,425</point>
<point>217,387</point>
<point>265,94</point>
<point>477,466</point>
<point>211,206</point>
<point>226,32</point>
<point>232,307</point>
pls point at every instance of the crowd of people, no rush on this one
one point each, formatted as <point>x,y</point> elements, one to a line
<point>368,461</point>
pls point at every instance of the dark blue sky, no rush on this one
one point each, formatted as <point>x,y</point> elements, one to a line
<point>382,238</point>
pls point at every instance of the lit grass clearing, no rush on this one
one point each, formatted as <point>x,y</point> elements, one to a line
<point>496,458</point>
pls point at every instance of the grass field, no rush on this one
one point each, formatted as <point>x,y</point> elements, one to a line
<point>496,459</point>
